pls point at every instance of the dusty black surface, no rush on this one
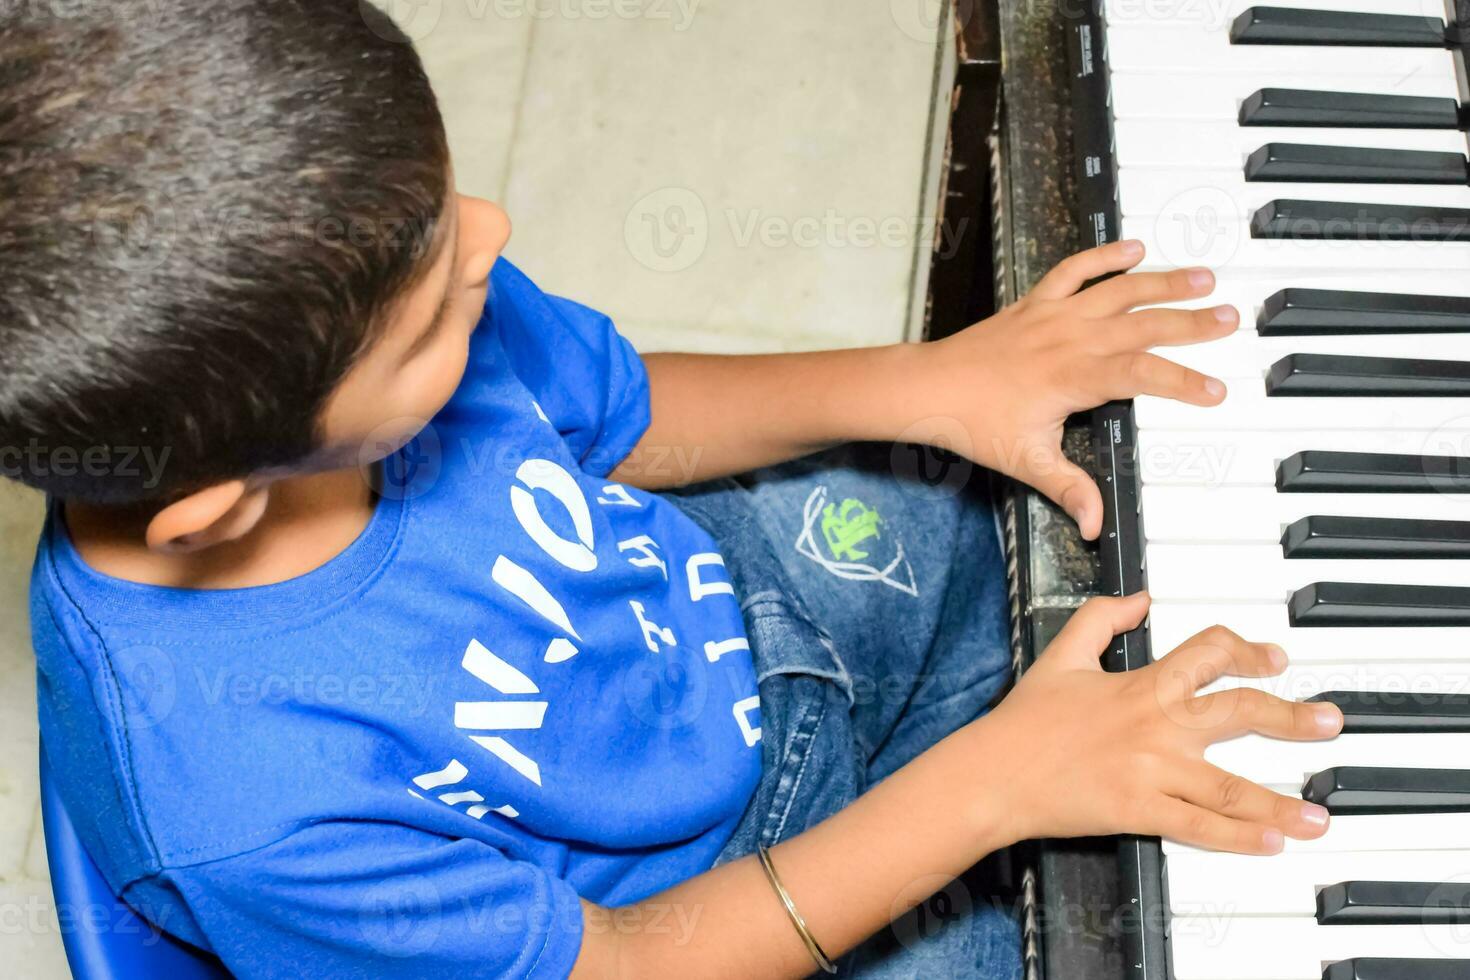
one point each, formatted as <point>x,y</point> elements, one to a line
<point>1009,167</point>
<point>1074,933</point>
<point>1037,229</point>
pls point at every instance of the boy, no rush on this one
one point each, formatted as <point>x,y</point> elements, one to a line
<point>500,708</point>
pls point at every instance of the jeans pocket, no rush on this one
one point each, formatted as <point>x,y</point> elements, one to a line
<point>784,639</point>
<point>810,764</point>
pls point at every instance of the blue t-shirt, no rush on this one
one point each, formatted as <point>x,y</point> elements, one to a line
<point>523,683</point>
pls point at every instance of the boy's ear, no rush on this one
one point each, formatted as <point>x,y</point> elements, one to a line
<point>223,512</point>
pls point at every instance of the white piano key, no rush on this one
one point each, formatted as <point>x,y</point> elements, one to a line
<point>1197,98</point>
<point>1399,831</point>
<point>1403,679</point>
<point>1247,407</point>
<point>1246,354</point>
<point>1233,457</point>
<point>1283,764</point>
<point>1134,47</point>
<point>1195,15</point>
<point>1258,572</point>
<point>1148,191</point>
<point>1275,948</point>
<point>1393,832</point>
<point>1204,145</point>
<point>1172,623</point>
<point>1214,884</point>
<point>1258,515</point>
<point>1201,229</point>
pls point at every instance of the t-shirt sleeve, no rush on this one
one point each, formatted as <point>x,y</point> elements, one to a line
<point>361,899</point>
<point>588,380</point>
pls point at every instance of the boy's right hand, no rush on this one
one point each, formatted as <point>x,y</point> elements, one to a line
<point>1089,752</point>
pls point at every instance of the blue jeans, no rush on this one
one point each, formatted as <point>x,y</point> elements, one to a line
<point>876,608</point>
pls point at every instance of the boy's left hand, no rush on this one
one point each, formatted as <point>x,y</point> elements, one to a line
<point>1013,379</point>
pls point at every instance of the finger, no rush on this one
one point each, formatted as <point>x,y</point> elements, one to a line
<point>1200,661</point>
<point>1217,652</point>
<point>1131,375</point>
<point>1071,274</point>
<point>1068,486</point>
<point>1229,795</point>
<point>1161,327</point>
<point>1090,631</point>
<point>1190,824</point>
<point>1122,293</point>
<point>1240,710</point>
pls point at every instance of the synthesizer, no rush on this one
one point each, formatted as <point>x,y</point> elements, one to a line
<point>1314,155</point>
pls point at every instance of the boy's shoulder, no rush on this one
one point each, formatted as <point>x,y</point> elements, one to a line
<point>175,742</point>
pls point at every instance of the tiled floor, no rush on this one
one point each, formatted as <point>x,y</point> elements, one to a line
<point>716,174</point>
<point>29,942</point>
<point>720,175</point>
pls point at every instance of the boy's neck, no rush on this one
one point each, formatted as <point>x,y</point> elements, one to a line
<point>308,521</point>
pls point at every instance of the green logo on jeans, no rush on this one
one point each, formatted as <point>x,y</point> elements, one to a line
<point>846,525</point>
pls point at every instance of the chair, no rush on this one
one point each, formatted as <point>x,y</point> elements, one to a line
<point>126,946</point>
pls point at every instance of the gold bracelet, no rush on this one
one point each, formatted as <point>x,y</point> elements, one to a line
<point>826,965</point>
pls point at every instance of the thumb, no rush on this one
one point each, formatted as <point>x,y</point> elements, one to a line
<point>1070,487</point>
<point>1092,628</point>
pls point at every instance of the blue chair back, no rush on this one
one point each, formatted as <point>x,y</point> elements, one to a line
<point>106,939</point>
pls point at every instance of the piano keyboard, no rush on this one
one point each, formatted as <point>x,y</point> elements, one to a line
<point>1314,154</point>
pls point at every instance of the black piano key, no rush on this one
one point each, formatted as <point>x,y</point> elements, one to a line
<point>1375,604</point>
<point>1357,790</point>
<point>1388,968</point>
<point>1348,110</point>
<point>1347,375</point>
<point>1314,312</point>
<point>1289,25</point>
<point>1375,537</point>
<point>1309,163</point>
<point>1399,712</point>
<point>1343,221</point>
<point>1394,903</point>
<point>1318,471</point>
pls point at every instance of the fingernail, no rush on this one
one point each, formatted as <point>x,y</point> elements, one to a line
<point>1272,841</point>
<point>1200,278</point>
<point>1329,718</point>
<point>1132,248</point>
<point>1226,314</point>
<point>1276,656</point>
<point>1314,815</point>
<point>1214,388</point>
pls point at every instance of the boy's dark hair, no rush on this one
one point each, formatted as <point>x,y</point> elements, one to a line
<point>205,211</point>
